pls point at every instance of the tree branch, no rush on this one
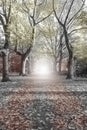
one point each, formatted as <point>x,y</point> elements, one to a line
<point>74,30</point>
<point>28,50</point>
<point>9,11</point>
<point>68,12</point>
<point>2,20</point>
<point>75,15</point>
<point>63,9</point>
<point>56,15</point>
<point>43,18</point>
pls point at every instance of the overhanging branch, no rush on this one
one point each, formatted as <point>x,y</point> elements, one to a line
<point>43,18</point>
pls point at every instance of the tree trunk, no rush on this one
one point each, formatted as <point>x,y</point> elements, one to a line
<point>73,69</point>
<point>23,64</point>
<point>5,76</point>
<point>69,66</point>
<point>60,53</point>
<point>60,63</point>
<point>28,66</point>
<point>24,56</point>
<point>69,48</point>
<point>5,54</point>
<point>55,67</point>
<point>60,58</point>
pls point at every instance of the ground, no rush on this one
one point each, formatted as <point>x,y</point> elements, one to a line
<point>43,103</point>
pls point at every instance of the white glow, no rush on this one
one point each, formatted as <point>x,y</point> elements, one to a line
<point>42,69</point>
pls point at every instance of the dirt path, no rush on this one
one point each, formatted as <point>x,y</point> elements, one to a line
<point>43,103</point>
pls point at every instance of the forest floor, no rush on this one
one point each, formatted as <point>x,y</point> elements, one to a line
<point>43,103</point>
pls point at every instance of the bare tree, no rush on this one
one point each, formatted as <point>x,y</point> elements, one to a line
<point>5,15</point>
<point>33,18</point>
<point>65,19</point>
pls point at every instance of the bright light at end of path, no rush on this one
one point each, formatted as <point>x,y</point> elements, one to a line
<point>42,69</point>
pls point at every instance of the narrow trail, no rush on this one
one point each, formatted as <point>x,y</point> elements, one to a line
<point>43,103</point>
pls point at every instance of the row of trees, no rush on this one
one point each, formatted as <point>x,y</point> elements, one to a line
<point>25,22</point>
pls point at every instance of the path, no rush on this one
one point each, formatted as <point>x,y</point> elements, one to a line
<point>43,103</point>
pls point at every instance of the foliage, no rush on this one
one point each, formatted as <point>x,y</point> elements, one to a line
<point>20,31</point>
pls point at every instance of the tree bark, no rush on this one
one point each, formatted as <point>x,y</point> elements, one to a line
<point>60,63</point>
<point>69,64</point>
<point>5,55</point>
<point>28,66</point>
<point>60,54</point>
<point>23,64</point>
<point>5,76</point>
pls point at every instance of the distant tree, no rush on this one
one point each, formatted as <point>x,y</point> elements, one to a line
<point>49,36</point>
<point>52,41</point>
